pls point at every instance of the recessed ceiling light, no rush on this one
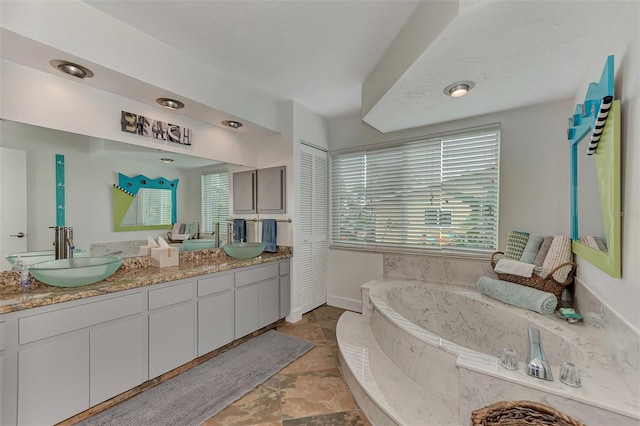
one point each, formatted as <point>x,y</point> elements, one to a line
<point>232,124</point>
<point>167,160</point>
<point>459,89</point>
<point>71,68</point>
<point>170,103</point>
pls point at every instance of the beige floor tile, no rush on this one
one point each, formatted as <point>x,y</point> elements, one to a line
<point>261,405</point>
<point>345,418</point>
<point>313,393</point>
<point>319,358</point>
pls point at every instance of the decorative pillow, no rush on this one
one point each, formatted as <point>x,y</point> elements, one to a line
<point>531,249</point>
<point>542,252</point>
<point>559,253</point>
<point>516,242</point>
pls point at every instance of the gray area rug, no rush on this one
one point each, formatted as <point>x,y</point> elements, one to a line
<point>198,394</point>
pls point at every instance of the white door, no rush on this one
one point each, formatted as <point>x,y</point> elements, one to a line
<point>311,240</point>
<point>13,203</point>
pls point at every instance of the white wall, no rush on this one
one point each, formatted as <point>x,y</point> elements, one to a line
<point>46,100</point>
<point>534,179</point>
<point>88,186</point>
<point>621,295</point>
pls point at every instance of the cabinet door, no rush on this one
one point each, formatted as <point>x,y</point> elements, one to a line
<point>171,338</point>
<point>215,321</point>
<point>285,296</point>
<point>244,192</point>
<point>246,314</point>
<point>116,358</point>
<point>53,379</point>
<point>269,302</point>
<point>272,190</point>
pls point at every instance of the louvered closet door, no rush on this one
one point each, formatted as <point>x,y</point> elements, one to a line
<point>311,246</point>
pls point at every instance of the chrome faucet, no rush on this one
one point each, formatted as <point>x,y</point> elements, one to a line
<point>537,365</point>
<point>63,242</point>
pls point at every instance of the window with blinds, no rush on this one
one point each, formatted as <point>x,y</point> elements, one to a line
<point>215,201</point>
<point>154,207</point>
<point>436,192</point>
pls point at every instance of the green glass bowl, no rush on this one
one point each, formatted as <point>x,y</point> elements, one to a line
<point>75,272</point>
<point>244,250</point>
<point>31,257</point>
<point>199,244</point>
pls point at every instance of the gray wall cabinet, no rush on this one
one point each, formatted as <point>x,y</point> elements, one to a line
<point>260,191</point>
<point>244,192</point>
<point>272,190</point>
<point>59,360</point>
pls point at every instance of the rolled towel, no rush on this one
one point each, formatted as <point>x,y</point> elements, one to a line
<point>514,267</point>
<point>518,295</point>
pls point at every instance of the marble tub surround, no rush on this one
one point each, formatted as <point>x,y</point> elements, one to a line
<point>610,332</point>
<point>461,322</point>
<point>135,272</point>
<point>463,271</point>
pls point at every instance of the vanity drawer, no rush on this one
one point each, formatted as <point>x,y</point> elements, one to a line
<point>61,321</point>
<point>284,268</point>
<point>254,275</point>
<point>215,284</point>
<point>170,295</point>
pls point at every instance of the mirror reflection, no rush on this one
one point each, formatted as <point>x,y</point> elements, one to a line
<point>91,168</point>
<point>591,228</point>
<point>150,207</point>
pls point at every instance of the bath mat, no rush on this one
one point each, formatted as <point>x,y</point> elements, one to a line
<point>203,391</point>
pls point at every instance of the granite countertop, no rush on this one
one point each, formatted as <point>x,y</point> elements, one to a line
<point>135,272</point>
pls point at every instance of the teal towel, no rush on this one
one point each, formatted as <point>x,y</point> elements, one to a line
<point>532,248</point>
<point>518,295</point>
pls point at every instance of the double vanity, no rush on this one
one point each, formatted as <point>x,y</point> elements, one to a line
<point>64,350</point>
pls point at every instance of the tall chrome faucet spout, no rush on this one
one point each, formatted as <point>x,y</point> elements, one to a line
<point>537,365</point>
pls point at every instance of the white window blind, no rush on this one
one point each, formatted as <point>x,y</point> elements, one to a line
<point>215,201</point>
<point>437,192</point>
<point>154,206</point>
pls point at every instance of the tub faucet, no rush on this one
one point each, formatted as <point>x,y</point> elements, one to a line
<point>537,365</point>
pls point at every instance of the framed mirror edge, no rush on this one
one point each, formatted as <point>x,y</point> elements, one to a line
<point>608,167</point>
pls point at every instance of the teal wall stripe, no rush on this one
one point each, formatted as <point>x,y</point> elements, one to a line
<point>60,205</point>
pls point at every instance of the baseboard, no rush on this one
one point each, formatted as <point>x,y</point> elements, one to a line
<point>354,305</point>
<point>295,316</point>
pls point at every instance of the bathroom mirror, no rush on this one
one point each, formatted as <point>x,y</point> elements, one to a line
<point>91,170</point>
<point>595,178</point>
<point>141,203</point>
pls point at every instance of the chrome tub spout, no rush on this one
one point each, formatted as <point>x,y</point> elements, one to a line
<point>537,365</point>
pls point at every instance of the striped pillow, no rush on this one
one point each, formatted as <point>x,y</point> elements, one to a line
<point>531,249</point>
<point>516,242</point>
<point>559,253</point>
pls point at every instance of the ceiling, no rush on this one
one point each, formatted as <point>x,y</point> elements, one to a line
<point>321,53</point>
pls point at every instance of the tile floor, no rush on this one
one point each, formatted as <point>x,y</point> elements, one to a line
<point>308,392</point>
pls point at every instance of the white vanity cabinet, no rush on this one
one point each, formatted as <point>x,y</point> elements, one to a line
<point>172,325</point>
<point>215,312</point>
<point>258,300</point>
<point>70,359</point>
<point>59,360</point>
<point>285,289</point>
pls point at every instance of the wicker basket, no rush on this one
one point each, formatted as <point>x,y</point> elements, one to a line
<point>520,413</point>
<point>548,284</point>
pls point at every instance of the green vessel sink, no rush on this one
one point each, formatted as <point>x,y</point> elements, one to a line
<point>244,250</point>
<point>31,257</point>
<point>75,272</point>
<point>199,244</point>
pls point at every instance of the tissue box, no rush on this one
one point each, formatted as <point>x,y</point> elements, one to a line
<point>165,256</point>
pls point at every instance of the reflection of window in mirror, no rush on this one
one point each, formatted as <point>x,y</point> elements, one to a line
<point>215,201</point>
<point>154,206</point>
<point>591,231</point>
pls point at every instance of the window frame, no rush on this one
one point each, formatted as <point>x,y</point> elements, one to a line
<point>464,240</point>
